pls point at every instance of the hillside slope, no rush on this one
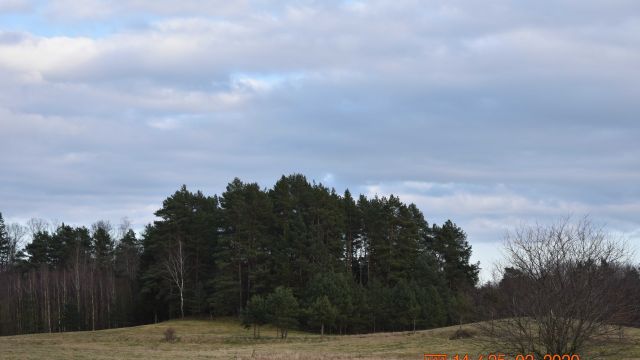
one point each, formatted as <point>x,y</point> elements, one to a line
<point>226,339</point>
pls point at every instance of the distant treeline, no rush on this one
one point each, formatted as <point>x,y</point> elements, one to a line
<point>349,265</point>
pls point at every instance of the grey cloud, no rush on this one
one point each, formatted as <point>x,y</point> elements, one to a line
<point>512,111</point>
<point>14,6</point>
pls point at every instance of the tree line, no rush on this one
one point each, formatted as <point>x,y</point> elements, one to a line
<point>297,255</point>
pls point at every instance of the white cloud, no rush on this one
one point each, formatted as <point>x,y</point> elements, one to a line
<point>459,199</point>
<point>488,114</point>
<point>36,57</point>
<point>328,179</point>
<point>487,209</point>
<point>164,124</point>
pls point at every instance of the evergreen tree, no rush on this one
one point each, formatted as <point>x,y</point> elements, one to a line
<point>102,244</point>
<point>255,314</point>
<point>381,306</point>
<point>322,313</point>
<point>338,288</point>
<point>352,229</point>
<point>451,246</point>
<point>38,250</point>
<point>434,311</point>
<point>127,256</point>
<point>5,245</point>
<point>242,247</point>
<point>71,317</point>
<point>292,263</point>
<point>283,310</point>
<point>191,219</point>
<point>406,307</point>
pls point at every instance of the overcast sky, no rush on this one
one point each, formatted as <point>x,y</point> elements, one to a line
<point>491,113</point>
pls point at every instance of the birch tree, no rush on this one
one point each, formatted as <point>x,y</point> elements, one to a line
<point>175,267</point>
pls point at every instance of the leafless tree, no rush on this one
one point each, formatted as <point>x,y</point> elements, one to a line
<point>37,225</point>
<point>16,234</point>
<point>559,289</point>
<point>123,228</point>
<point>175,266</point>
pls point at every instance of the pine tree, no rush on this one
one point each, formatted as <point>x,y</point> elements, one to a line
<point>38,250</point>
<point>255,314</point>
<point>102,243</point>
<point>283,310</point>
<point>338,288</point>
<point>241,249</point>
<point>352,229</point>
<point>5,245</point>
<point>292,199</point>
<point>451,246</point>
<point>127,256</point>
<point>322,313</point>
<point>190,218</point>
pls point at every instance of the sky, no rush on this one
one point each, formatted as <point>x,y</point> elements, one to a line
<point>490,113</point>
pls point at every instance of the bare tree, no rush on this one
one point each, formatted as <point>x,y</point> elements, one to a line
<point>37,225</point>
<point>559,290</point>
<point>123,228</point>
<point>16,233</point>
<point>175,266</point>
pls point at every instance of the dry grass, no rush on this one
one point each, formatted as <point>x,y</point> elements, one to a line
<point>226,339</point>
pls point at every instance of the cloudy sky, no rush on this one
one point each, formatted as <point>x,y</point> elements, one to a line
<point>491,113</point>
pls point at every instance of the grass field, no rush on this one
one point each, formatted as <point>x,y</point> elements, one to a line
<point>226,339</point>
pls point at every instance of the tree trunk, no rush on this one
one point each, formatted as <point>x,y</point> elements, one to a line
<point>240,285</point>
<point>93,311</point>
<point>181,303</point>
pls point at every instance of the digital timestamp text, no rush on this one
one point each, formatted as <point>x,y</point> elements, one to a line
<point>499,357</point>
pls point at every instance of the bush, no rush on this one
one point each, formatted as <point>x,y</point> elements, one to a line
<point>461,334</point>
<point>170,335</point>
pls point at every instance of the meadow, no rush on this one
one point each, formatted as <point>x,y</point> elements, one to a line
<point>226,339</point>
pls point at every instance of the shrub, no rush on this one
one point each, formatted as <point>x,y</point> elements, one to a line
<point>461,334</point>
<point>170,335</point>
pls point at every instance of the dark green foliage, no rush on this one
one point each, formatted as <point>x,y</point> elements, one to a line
<point>450,243</point>
<point>127,255</point>
<point>283,310</point>
<point>255,314</point>
<point>406,306</point>
<point>241,250</point>
<point>380,306</point>
<point>322,313</point>
<point>192,219</point>
<point>338,288</point>
<point>5,245</point>
<point>71,317</point>
<point>434,312</point>
<point>39,249</point>
<point>353,265</point>
<point>102,243</point>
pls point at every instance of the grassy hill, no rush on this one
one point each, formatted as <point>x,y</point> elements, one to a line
<point>226,339</point>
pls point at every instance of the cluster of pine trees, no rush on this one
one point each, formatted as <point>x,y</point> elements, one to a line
<point>295,255</point>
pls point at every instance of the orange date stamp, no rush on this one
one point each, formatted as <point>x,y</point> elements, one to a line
<point>499,357</point>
